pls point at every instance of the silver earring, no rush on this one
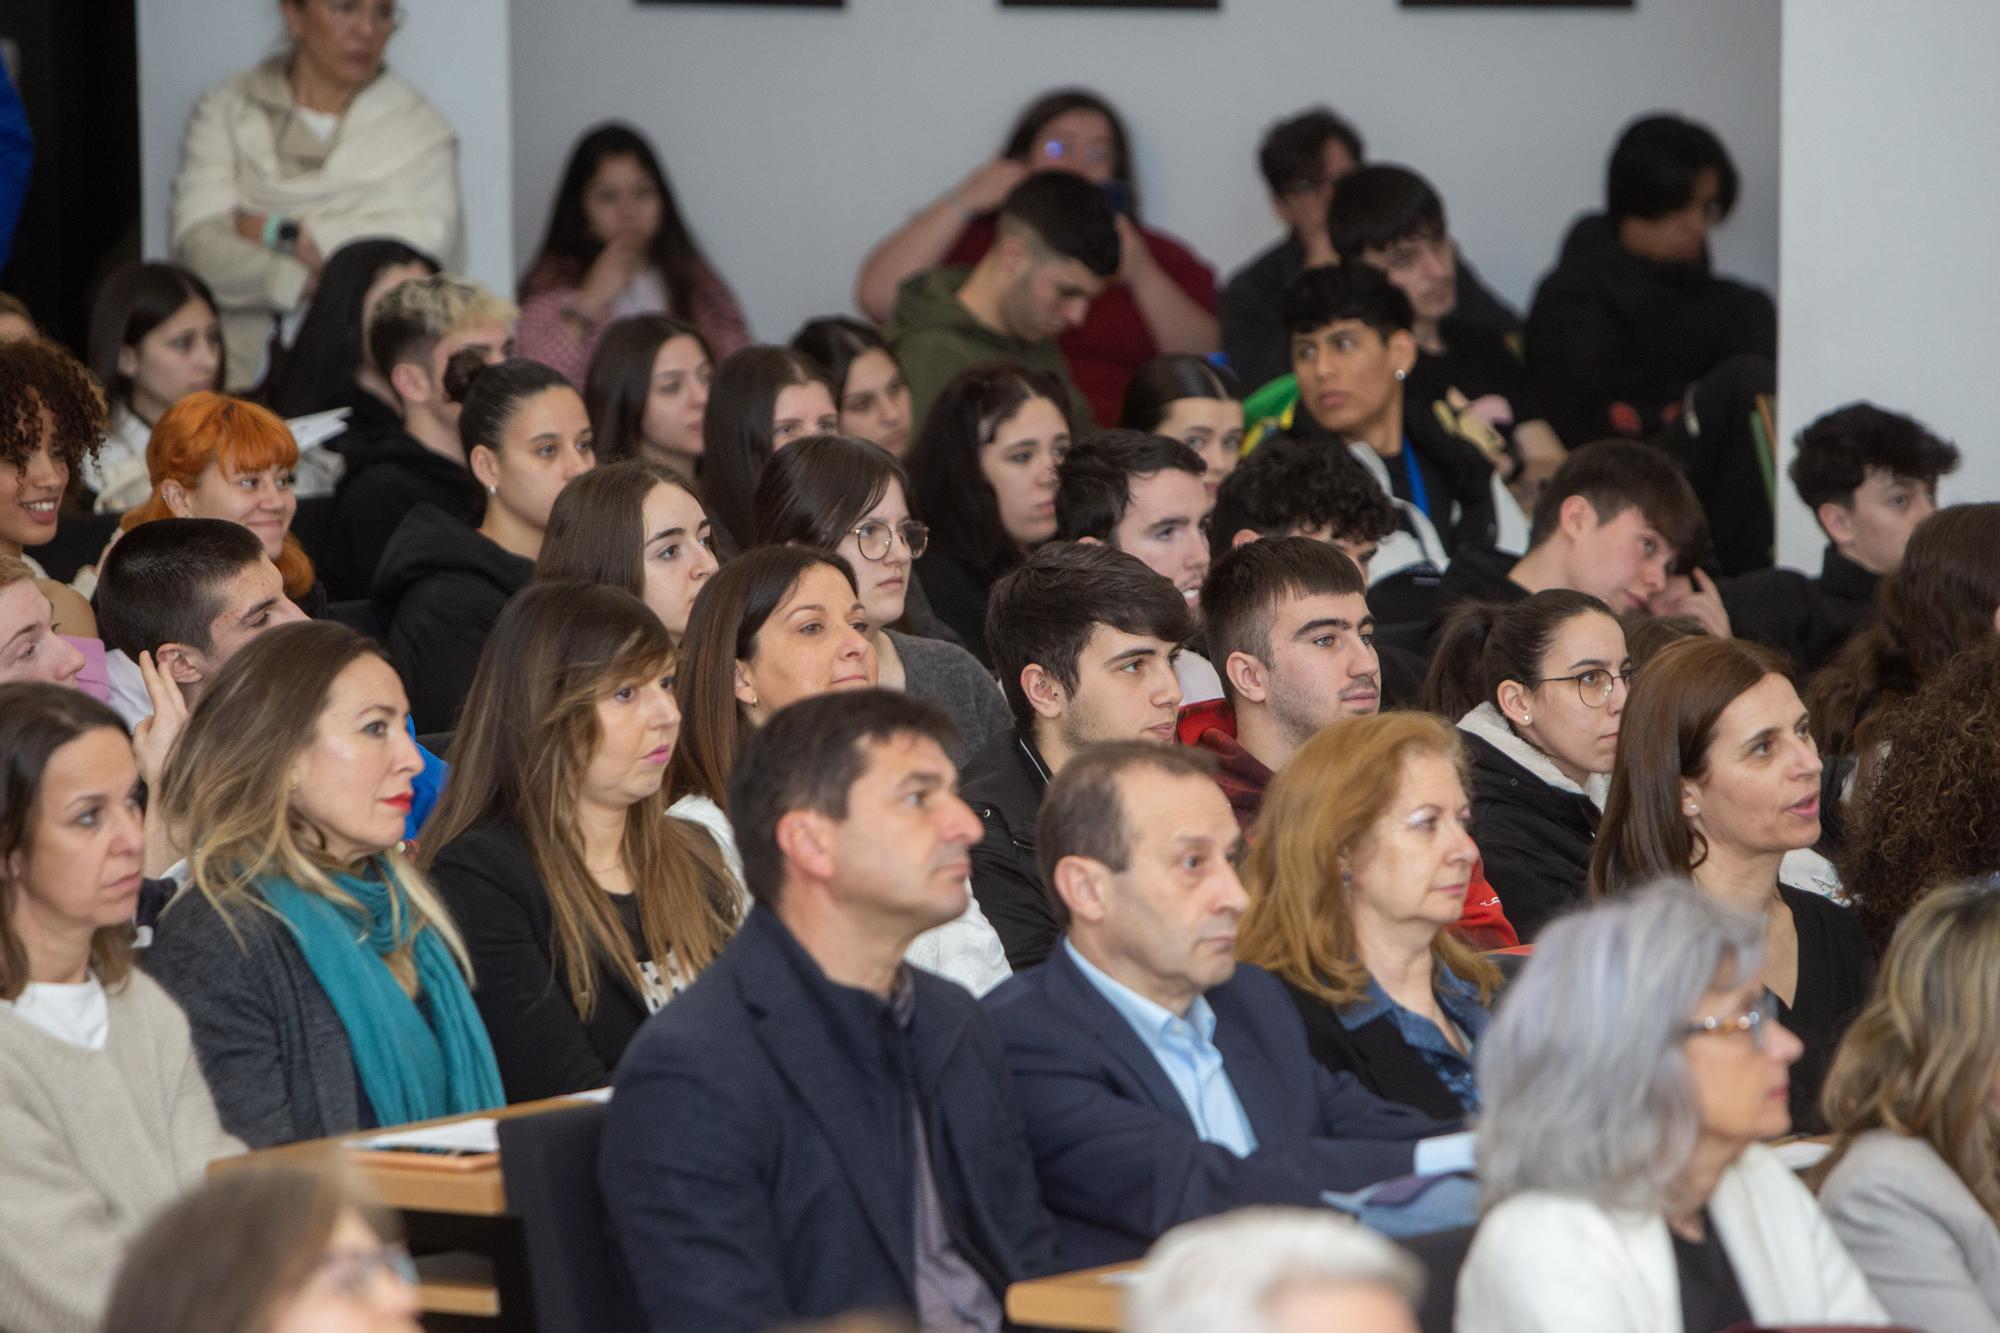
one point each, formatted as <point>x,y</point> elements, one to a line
<point>1401,375</point>
<point>493,490</point>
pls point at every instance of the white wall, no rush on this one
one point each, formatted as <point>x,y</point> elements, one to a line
<point>455,50</point>
<point>1890,193</point>
<point>797,137</point>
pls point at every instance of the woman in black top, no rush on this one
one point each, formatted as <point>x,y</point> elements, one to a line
<point>1717,777</point>
<point>584,907</point>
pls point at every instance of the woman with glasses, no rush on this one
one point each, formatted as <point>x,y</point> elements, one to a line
<point>1717,778</point>
<point>1628,1083</point>
<point>1537,688</point>
<point>285,163</point>
<point>851,497</point>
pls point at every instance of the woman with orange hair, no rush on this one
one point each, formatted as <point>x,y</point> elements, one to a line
<point>1361,862</point>
<point>214,456</point>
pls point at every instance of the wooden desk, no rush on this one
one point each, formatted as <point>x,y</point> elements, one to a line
<point>1084,1300</point>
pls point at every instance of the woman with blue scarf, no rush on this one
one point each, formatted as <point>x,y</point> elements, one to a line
<point>327,988</point>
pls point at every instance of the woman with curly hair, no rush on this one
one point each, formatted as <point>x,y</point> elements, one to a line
<point>1926,810</point>
<point>52,421</point>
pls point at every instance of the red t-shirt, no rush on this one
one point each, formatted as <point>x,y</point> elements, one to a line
<point>1112,342</point>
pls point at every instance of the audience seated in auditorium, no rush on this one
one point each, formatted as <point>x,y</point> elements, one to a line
<point>1627,1082</point>
<point>325,984</point>
<point>283,164</point>
<point>1162,1081</point>
<point>647,392</point>
<point>441,584</point>
<point>154,339</point>
<point>1056,245</point>
<point>30,647</point>
<point>1537,688</point>
<point>1162,298</point>
<point>616,246</point>
<point>1632,315</point>
<point>584,910</point>
<point>874,396</point>
<point>52,420</point>
<point>983,475</point>
<point>328,366</point>
<point>1910,1184</point>
<point>1360,867</point>
<point>763,398</point>
<point>817,1127</point>
<point>1084,637</point>
<point>1926,807</point>
<point>637,527</point>
<point>1185,398</point>
<point>1390,218</point>
<point>1143,495</point>
<point>1274,1270</point>
<point>1870,477</point>
<point>416,331</point>
<point>1716,779</point>
<point>850,497</point>
<point>107,1116</point>
<point>283,1248</point>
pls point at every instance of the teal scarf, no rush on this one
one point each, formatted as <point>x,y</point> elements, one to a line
<point>418,1059</point>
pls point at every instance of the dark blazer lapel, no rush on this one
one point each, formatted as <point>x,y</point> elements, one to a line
<point>1258,1085</point>
<point>1073,993</point>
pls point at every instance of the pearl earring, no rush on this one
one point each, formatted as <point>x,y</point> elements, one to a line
<point>1401,375</point>
<point>1693,809</point>
<point>1527,720</point>
<point>493,490</point>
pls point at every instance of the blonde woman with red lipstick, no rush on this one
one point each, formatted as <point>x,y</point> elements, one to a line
<point>585,910</point>
<point>1717,778</point>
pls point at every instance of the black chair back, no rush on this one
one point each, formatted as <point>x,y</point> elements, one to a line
<point>79,540</point>
<point>550,1164</point>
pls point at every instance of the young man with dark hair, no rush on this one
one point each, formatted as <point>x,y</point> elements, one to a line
<point>1056,245</point>
<point>1162,1081</point>
<point>815,1128</point>
<point>1870,477</point>
<point>1302,159</point>
<point>1084,640</point>
<point>1289,487</point>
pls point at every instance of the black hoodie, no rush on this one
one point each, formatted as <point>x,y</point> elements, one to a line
<point>439,589</point>
<point>1615,340</point>
<point>388,474</point>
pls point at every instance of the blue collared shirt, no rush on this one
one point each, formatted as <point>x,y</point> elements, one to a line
<point>1184,1048</point>
<point>1460,1001</point>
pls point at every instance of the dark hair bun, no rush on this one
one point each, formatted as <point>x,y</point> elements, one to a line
<point>462,372</point>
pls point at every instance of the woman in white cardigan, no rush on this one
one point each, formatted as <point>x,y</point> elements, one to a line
<point>1913,1181</point>
<point>286,162</point>
<point>1627,1084</point>
<point>104,1116</point>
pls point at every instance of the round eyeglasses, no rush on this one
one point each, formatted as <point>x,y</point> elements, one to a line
<point>352,1273</point>
<point>1594,688</point>
<point>1757,1020</point>
<point>875,538</point>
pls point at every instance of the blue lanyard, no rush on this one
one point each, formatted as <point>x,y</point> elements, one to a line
<point>1414,473</point>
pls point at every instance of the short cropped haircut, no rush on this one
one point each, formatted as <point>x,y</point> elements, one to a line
<point>808,757</point>
<point>1094,480</point>
<point>1836,452</point>
<point>1067,215</point>
<point>1322,296</point>
<point>1290,155</point>
<point>1042,614</point>
<point>163,582</point>
<point>1584,1074</point>
<point>1616,475</point>
<point>1245,586</point>
<point>1656,163</point>
<point>414,316</point>
<point>1287,485</point>
<point>1227,1271</point>
<point>1380,206</point>
<point>1083,811</point>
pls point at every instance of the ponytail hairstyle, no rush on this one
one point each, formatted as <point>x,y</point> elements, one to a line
<point>1165,380</point>
<point>491,395</point>
<point>1486,644</point>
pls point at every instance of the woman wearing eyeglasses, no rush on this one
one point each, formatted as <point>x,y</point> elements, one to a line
<point>1537,687</point>
<point>850,496</point>
<point>1628,1083</point>
<point>285,163</point>
<point>1717,778</point>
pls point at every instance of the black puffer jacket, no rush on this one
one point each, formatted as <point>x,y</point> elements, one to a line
<point>1535,828</point>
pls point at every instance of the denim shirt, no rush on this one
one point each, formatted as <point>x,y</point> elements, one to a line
<point>1460,1001</point>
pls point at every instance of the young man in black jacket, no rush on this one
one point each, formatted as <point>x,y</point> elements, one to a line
<point>1084,639</point>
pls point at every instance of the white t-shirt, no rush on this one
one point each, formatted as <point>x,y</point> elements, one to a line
<point>77,1013</point>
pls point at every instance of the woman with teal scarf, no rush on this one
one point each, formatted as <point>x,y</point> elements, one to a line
<point>327,988</point>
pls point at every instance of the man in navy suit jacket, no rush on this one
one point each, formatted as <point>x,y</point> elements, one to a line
<point>813,1127</point>
<point>1162,1080</point>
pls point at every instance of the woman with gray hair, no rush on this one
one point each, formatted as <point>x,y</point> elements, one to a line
<point>1627,1084</point>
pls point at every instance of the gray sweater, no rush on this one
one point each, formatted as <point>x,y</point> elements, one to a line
<point>946,675</point>
<point>92,1143</point>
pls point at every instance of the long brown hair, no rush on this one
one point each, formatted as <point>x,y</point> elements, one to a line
<point>1315,817</point>
<point>1921,1056</point>
<point>597,527</point>
<point>529,729</point>
<point>1663,739</point>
